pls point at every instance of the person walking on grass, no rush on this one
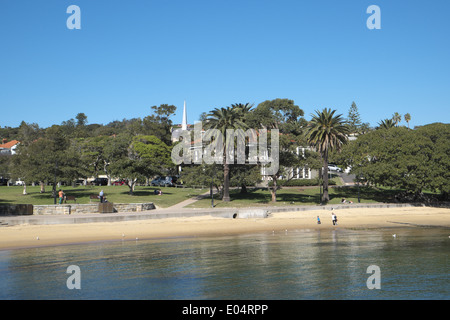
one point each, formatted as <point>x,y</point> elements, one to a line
<point>61,196</point>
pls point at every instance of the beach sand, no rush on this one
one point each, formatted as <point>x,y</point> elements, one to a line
<point>22,236</point>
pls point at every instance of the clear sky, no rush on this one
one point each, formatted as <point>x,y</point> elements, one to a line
<point>131,55</point>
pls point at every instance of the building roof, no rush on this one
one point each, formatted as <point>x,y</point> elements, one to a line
<point>9,145</point>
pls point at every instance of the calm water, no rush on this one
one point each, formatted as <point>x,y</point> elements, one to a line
<point>286,265</point>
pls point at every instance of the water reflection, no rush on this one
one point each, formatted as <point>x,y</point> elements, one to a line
<point>328,264</point>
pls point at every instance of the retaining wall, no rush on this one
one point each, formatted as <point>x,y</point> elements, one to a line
<point>16,209</point>
<point>89,208</point>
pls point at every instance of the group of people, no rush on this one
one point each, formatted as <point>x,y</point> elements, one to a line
<point>333,218</point>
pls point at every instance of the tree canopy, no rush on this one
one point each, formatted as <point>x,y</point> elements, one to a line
<point>397,157</point>
<point>138,149</point>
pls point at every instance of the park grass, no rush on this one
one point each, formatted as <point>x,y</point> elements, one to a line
<point>295,196</point>
<point>115,194</point>
<point>255,197</point>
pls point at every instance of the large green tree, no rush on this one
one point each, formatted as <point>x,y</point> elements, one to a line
<point>138,157</point>
<point>287,117</point>
<point>222,119</point>
<point>326,132</point>
<point>159,123</point>
<point>407,118</point>
<point>397,157</point>
<point>154,154</point>
<point>94,157</point>
<point>439,159</point>
<point>47,159</point>
<point>354,119</point>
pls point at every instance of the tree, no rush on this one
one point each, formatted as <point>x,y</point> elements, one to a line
<point>5,165</point>
<point>396,118</point>
<point>243,175</point>
<point>223,119</point>
<point>364,128</point>
<point>386,124</point>
<point>354,119</point>
<point>407,117</point>
<point>326,132</point>
<point>139,157</point>
<point>438,163</point>
<point>159,123</point>
<point>122,160</point>
<point>81,119</point>
<point>154,154</point>
<point>412,160</point>
<point>287,117</point>
<point>48,158</point>
<point>94,158</point>
<point>68,127</point>
<point>202,175</point>
<point>28,132</point>
<point>35,162</point>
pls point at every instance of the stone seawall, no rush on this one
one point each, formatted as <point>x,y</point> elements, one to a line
<point>89,208</point>
<point>16,209</point>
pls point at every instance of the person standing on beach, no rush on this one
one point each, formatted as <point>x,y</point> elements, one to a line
<point>334,219</point>
<point>318,220</point>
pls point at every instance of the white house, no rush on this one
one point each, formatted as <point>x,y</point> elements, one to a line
<point>8,148</point>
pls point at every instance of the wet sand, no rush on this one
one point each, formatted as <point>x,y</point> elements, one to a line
<point>23,236</point>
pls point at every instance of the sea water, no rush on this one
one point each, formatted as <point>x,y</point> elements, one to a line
<point>282,265</point>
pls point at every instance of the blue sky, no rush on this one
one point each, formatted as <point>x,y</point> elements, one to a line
<point>131,55</point>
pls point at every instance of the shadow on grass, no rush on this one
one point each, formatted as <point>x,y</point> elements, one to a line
<point>86,193</point>
<point>263,196</point>
<point>366,193</point>
<point>298,195</point>
<point>141,193</point>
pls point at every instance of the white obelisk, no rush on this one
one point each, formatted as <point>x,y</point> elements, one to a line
<point>184,122</point>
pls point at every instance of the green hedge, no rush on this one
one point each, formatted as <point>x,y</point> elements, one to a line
<point>300,182</point>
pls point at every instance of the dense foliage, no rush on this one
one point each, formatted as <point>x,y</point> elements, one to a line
<point>413,160</point>
<point>136,150</point>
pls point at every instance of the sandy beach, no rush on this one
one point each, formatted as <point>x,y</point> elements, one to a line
<point>22,236</point>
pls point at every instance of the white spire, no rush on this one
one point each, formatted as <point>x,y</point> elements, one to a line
<point>184,122</point>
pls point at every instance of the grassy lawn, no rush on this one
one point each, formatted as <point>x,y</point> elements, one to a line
<point>117,194</point>
<point>297,196</point>
<point>286,196</point>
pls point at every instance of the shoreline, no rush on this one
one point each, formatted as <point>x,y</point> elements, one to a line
<point>28,236</point>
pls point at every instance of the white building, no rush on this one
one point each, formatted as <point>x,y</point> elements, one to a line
<point>8,148</point>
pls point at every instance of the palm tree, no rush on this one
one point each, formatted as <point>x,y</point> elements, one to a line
<point>223,119</point>
<point>242,109</point>
<point>407,118</point>
<point>397,118</point>
<point>326,132</point>
<point>386,124</point>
